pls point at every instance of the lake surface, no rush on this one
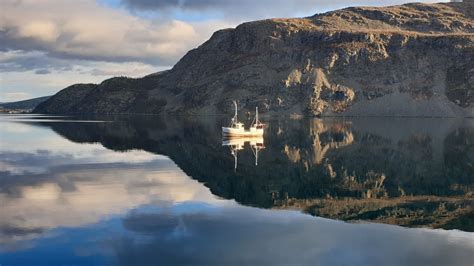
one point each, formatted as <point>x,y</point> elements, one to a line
<point>145,190</point>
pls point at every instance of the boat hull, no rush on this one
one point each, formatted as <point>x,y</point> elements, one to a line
<point>234,132</point>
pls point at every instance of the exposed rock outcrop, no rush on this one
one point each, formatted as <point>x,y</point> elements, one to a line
<point>408,60</point>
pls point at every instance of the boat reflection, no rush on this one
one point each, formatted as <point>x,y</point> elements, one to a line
<point>237,144</point>
<point>409,172</point>
<point>144,191</point>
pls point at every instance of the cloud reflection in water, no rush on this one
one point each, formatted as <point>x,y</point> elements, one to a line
<point>69,203</point>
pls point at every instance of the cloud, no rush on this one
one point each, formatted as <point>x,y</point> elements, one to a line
<point>250,9</point>
<point>42,71</point>
<point>20,61</point>
<point>45,31</point>
<point>41,63</point>
<point>86,30</point>
<point>151,4</point>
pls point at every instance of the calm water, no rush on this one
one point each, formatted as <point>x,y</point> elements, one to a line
<point>144,190</point>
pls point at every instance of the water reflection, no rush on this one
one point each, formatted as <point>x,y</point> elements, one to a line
<point>237,144</point>
<point>411,172</point>
<point>78,194</point>
<point>49,182</point>
<point>256,237</point>
<point>146,190</point>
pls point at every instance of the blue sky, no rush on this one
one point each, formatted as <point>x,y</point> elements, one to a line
<point>47,45</point>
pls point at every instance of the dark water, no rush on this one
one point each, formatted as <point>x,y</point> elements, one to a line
<point>144,190</point>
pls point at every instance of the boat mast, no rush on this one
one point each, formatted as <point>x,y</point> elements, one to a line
<point>256,116</point>
<point>235,115</point>
<point>234,119</point>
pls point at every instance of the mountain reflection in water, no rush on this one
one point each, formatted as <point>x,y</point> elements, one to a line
<point>411,172</point>
<point>128,203</point>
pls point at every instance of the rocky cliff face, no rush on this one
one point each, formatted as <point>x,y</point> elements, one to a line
<point>409,60</point>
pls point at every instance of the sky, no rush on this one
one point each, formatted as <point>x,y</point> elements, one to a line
<point>47,45</point>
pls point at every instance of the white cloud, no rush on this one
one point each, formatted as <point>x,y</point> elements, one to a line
<point>42,30</point>
<point>86,30</point>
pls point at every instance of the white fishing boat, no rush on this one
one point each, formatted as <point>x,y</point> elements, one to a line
<point>237,129</point>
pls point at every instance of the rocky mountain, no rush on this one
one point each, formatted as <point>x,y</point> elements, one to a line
<point>409,60</point>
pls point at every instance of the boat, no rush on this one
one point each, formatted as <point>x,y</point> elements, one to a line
<point>236,129</point>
